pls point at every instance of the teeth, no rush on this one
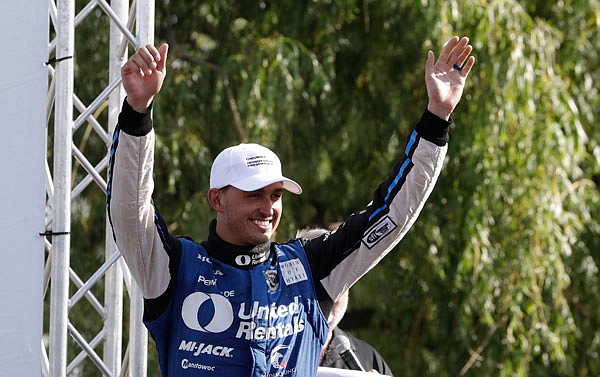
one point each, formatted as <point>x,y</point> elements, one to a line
<point>261,222</point>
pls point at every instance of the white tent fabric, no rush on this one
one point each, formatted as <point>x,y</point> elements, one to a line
<point>23,85</point>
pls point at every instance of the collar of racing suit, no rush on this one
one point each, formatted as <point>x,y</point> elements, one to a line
<point>239,256</point>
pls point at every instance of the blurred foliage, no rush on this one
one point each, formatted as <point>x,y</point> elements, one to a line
<point>499,276</point>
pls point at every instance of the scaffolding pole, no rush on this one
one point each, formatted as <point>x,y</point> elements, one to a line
<point>113,295</point>
<point>61,203</point>
<point>113,273</point>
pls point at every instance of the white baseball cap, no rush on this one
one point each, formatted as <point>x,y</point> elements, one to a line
<point>249,167</point>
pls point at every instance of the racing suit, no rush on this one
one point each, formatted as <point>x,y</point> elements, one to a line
<point>217,309</point>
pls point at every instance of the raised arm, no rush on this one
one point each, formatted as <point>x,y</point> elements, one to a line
<point>138,229</point>
<point>342,257</point>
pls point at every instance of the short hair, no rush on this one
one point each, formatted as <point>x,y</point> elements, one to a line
<point>310,233</point>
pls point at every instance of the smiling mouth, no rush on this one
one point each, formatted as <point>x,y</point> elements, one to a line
<point>262,223</point>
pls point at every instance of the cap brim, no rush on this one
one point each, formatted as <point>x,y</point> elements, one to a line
<point>257,182</point>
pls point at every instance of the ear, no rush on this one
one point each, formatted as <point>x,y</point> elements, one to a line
<point>215,199</point>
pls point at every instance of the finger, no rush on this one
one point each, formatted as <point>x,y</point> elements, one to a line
<point>153,51</point>
<point>448,47</point>
<point>145,59</point>
<point>467,67</point>
<point>162,53</point>
<point>457,51</point>
<point>129,67</point>
<point>136,65</point>
<point>429,63</point>
<point>460,60</point>
<point>140,64</point>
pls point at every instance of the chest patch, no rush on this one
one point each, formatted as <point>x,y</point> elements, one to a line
<point>272,279</point>
<point>293,271</point>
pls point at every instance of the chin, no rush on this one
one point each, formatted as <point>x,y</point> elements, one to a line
<point>263,238</point>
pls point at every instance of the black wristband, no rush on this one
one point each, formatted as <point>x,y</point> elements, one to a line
<point>433,128</point>
<point>133,123</point>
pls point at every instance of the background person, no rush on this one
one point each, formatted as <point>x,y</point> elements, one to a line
<point>367,355</point>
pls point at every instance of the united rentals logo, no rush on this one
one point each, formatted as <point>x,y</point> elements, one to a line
<point>285,320</point>
<point>222,317</point>
<point>378,231</point>
<point>254,259</point>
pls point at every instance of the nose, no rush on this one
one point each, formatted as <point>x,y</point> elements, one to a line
<point>266,207</point>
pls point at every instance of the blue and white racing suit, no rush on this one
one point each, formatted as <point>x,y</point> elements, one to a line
<point>216,309</point>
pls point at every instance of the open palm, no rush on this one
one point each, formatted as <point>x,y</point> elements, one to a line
<point>445,78</point>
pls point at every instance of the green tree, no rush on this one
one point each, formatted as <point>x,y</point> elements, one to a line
<point>491,280</point>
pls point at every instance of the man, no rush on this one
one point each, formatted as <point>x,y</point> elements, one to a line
<point>370,360</point>
<point>237,304</point>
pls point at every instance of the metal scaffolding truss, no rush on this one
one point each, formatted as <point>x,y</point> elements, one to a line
<point>104,349</point>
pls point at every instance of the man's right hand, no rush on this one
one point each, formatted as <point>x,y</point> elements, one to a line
<point>143,75</point>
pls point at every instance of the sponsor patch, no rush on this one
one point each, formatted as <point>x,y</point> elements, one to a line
<point>203,348</point>
<point>204,259</point>
<point>293,271</point>
<point>278,357</point>
<point>186,364</point>
<point>272,279</point>
<point>378,232</point>
<point>253,259</point>
<point>218,321</point>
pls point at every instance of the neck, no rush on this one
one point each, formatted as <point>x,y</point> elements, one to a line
<point>235,255</point>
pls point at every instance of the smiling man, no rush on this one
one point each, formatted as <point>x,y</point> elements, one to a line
<point>246,185</point>
<point>238,304</point>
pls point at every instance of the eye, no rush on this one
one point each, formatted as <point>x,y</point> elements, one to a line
<point>276,196</point>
